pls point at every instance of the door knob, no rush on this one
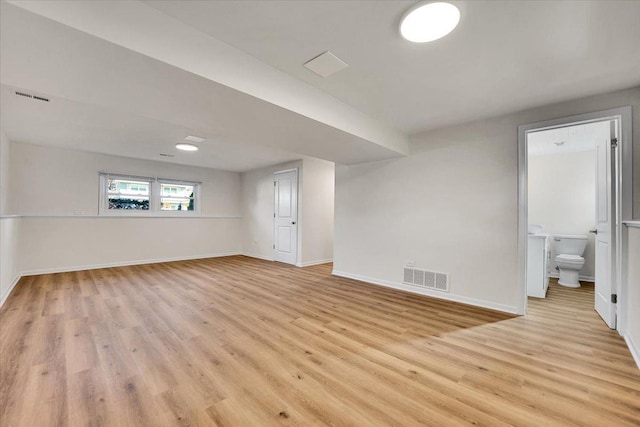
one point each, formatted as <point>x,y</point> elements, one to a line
<point>293,222</point>
<point>594,231</point>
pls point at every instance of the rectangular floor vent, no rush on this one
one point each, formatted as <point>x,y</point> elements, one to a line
<point>426,279</point>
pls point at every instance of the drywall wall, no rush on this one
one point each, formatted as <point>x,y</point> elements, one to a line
<point>56,191</point>
<point>451,205</point>
<point>9,226</point>
<point>318,185</point>
<point>632,321</point>
<point>5,153</point>
<point>315,211</point>
<point>257,210</point>
<point>562,197</point>
<point>9,268</point>
<point>55,181</point>
<point>64,244</point>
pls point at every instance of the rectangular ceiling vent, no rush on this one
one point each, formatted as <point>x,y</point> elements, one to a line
<point>426,279</point>
<point>326,64</point>
<point>28,95</point>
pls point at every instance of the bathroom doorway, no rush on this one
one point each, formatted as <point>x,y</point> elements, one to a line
<point>574,192</point>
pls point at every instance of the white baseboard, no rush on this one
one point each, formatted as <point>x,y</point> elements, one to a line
<point>633,348</point>
<point>435,294</point>
<point>13,284</point>
<point>252,255</point>
<point>124,263</point>
<point>580,278</point>
<point>317,262</point>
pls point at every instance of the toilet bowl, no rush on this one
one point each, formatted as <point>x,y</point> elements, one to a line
<point>569,250</point>
<point>569,266</point>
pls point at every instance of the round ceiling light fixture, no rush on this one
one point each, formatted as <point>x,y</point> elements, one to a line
<point>429,22</point>
<point>186,147</point>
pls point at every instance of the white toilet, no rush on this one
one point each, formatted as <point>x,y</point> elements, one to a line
<point>569,250</point>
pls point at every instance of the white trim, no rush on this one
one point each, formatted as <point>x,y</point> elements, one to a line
<point>263,257</point>
<point>317,262</point>
<point>633,348</point>
<point>123,216</point>
<point>15,281</point>
<point>623,198</point>
<point>124,263</point>
<point>435,294</point>
<point>634,223</point>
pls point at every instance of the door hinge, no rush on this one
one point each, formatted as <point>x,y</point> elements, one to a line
<point>614,298</point>
<point>274,246</point>
<point>274,214</point>
<point>614,142</point>
<point>274,183</point>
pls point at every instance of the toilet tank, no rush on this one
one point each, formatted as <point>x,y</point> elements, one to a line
<point>570,244</point>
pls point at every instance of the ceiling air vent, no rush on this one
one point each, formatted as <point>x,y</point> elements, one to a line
<point>28,95</point>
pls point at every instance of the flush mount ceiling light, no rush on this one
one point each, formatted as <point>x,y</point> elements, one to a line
<point>186,147</point>
<point>428,22</point>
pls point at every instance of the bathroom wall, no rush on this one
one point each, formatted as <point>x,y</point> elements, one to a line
<point>562,197</point>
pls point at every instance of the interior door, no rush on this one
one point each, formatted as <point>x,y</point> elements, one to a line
<point>286,216</point>
<point>605,227</point>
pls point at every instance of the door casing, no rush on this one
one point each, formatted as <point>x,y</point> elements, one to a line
<point>623,198</point>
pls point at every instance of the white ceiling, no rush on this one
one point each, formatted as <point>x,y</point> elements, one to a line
<point>78,126</point>
<point>132,78</point>
<point>504,56</point>
<point>568,139</point>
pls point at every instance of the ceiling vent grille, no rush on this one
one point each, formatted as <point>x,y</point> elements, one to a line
<point>28,95</point>
<point>426,279</point>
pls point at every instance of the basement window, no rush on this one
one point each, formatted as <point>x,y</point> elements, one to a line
<point>147,196</point>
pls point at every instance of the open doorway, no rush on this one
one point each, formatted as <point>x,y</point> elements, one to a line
<point>575,176</point>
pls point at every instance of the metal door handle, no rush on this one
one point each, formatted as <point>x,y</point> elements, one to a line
<point>594,231</point>
<point>293,222</point>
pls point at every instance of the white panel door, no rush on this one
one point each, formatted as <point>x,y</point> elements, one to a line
<point>605,224</point>
<point>286,216</point>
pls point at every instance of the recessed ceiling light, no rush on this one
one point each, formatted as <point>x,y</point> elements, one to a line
<point>186,147</point>
<point>430,21</point>
<point>194,138</point>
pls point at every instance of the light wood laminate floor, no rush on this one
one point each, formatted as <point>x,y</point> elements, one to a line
<point>241,342</point>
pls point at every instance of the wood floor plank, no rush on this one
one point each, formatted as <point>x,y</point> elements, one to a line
<point>237,341</point>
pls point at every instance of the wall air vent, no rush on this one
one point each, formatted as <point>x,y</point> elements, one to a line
<point>426,279</point>
<point>28,95</point>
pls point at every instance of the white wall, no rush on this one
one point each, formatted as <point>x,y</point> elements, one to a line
<point>9,227</point>
<point>562,197</point>
<point>5,153</point>
<point>451,206</point>
<point>318,186</point>
<point>50,185</point>
<point>315,211</point>
<point>55,181</point>
<point>632,333</point>
<point>257,210</point>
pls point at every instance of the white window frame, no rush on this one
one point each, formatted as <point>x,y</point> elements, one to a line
<point>154,197</point>
<point>196,197</point>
